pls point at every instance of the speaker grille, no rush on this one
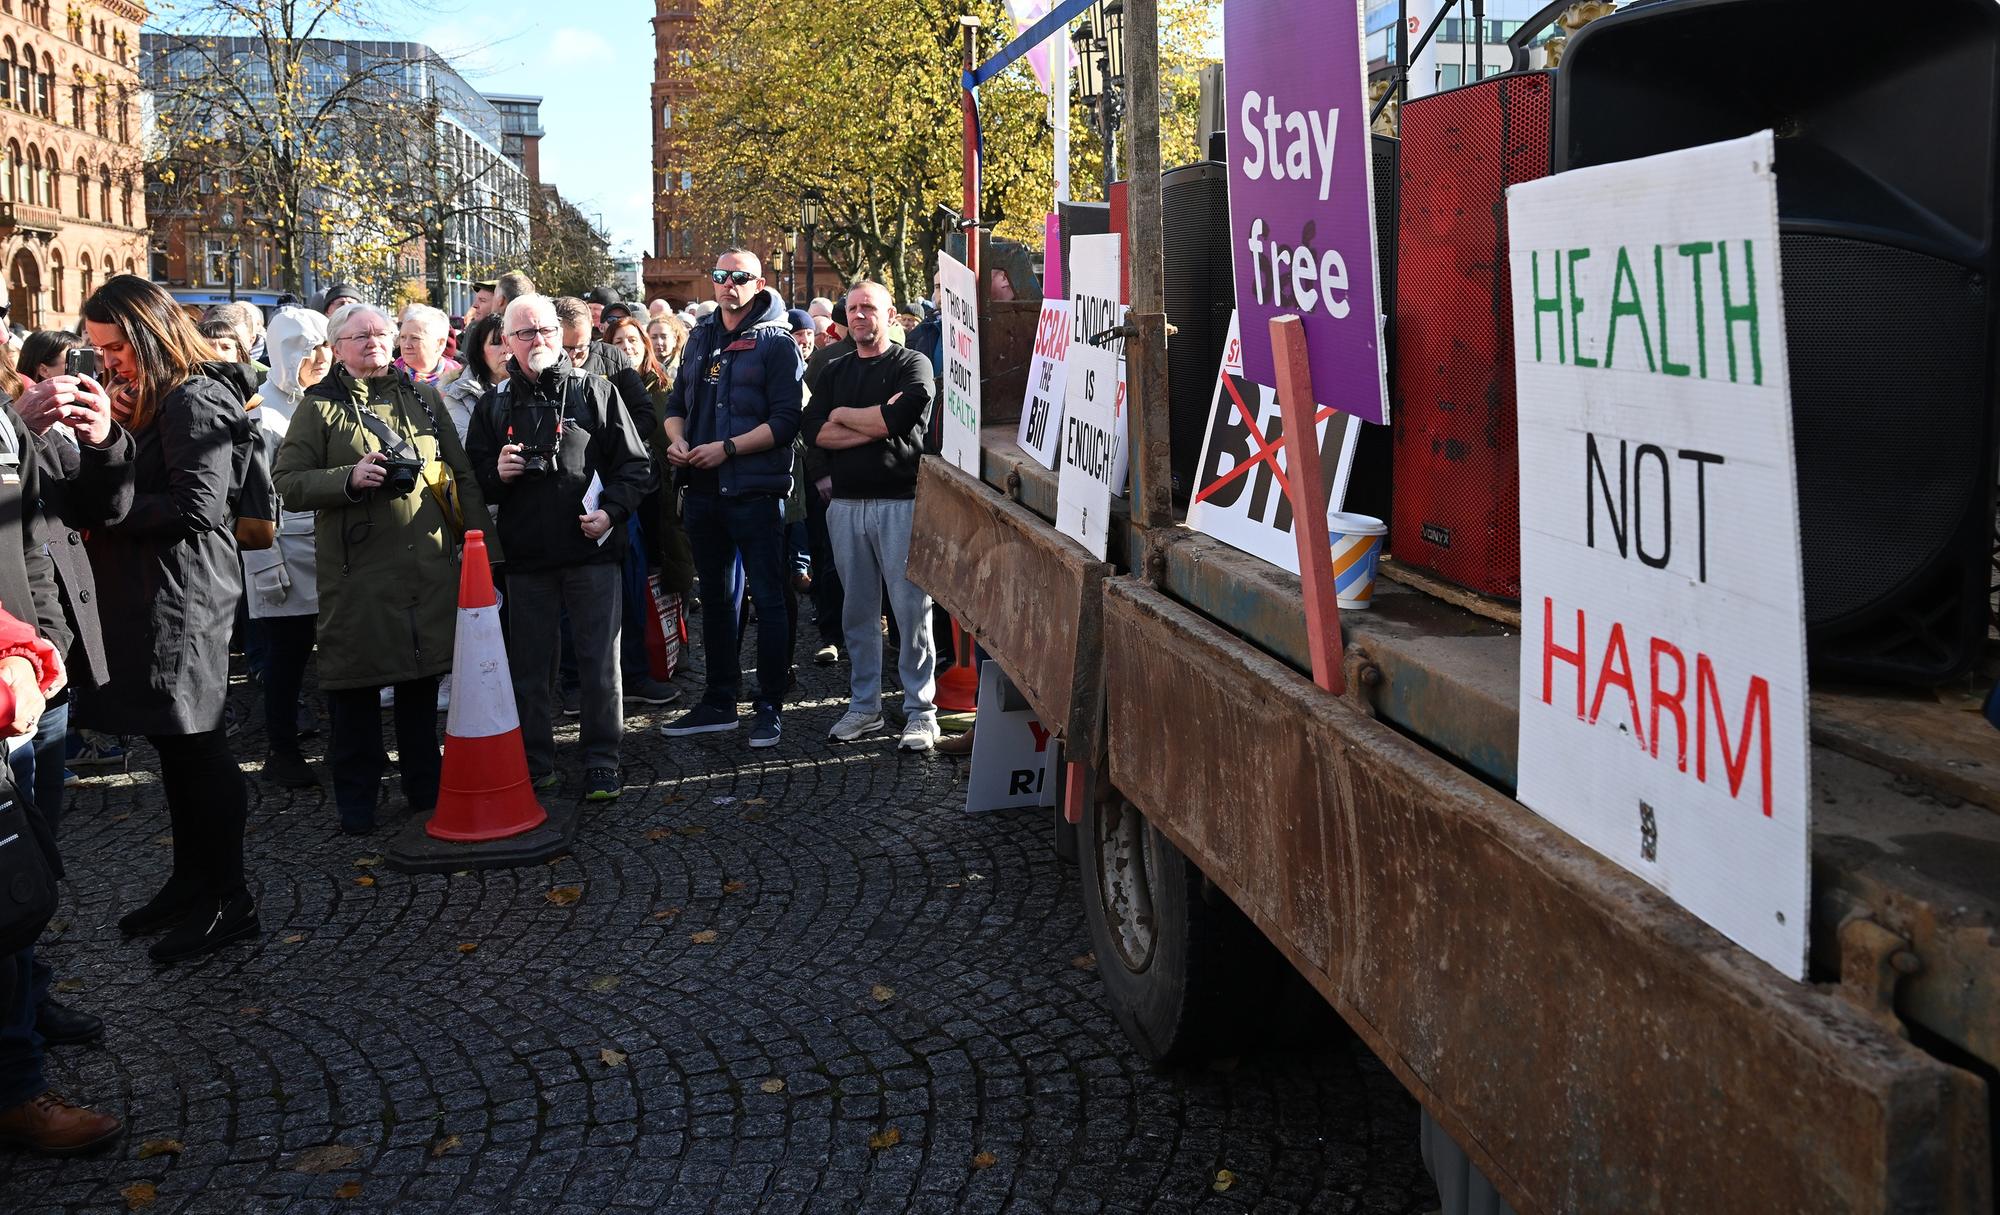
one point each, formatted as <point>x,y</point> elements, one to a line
<point>1888,357</point>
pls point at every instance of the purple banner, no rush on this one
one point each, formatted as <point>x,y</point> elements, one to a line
<point>1301,205</point>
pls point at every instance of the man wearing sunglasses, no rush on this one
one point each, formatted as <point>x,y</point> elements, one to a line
<point>730,420</point>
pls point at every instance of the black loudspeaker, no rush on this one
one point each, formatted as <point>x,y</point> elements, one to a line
<point>1079,219</point>
<point>1194,221</point>
<point>1886,161</point>
<point>1369,481</point>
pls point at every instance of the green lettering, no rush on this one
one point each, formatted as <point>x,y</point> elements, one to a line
<point>1547,303</point>
<point>1667,364</point>
<point>1576,310</point>
<point>1696,250</point>
<point>1622,277</point>
<point>1743,313</point>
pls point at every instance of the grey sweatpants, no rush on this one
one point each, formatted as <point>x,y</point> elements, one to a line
<point>871,547</point>
<point>594,597</point>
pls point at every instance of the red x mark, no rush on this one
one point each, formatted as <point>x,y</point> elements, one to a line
<point>1265,453</point>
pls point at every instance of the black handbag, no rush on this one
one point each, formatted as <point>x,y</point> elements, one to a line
<point>27,880</point>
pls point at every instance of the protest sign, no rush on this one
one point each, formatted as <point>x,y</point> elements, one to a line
<point>1011,753</point>
<point>1093,429</point>
<point>1240,489</point>
<point>1048,374</point>
<point>960,387</point>
<point>1301,198</point>
<point>1663,716</point>
<point>1094,263</point>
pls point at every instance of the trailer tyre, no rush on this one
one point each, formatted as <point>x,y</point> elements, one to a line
<point>1183,969</point>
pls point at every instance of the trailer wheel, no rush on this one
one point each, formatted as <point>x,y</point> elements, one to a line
<point>1183,969</point>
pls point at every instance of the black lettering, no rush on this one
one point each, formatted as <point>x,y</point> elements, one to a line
<point>1701,459</point>
<point>1666,506</point>
<point>1617,511</point>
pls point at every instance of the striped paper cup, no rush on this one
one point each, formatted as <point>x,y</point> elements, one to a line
<point>1357,547</point>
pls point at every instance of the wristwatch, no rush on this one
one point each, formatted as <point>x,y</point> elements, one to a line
<point>729,448</point>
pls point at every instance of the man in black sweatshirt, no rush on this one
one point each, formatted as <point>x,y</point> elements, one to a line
<point>868,415</point>
<point>564,467</point>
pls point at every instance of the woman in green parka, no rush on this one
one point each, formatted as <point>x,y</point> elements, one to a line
<point>387,557</point>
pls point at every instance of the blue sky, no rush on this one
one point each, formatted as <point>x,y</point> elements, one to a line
<point>593,66</point>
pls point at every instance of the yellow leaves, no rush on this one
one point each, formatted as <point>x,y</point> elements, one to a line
<point>732,887</point>
<point>328,1158</point>
<point>984,1160</point>
<point>882,1141</point>
<point>882,994</point>
<point>659,833</point>
<point>364,880</point>
<point>664,914</point>
<point>1223,1180</point>
<point>295,938</point>
<point>348,1189</point>
<point>604,983</point>
<point>705,937</point>
<point>139,1195</point>
<point>564,896</point>
<point>773,1085</point>
<point>446,1144</point>
<point>367,862</point>
<point>1084,961</point>
<point>468,946</point>
<point>160,1147</point>
<point>612,1058</point>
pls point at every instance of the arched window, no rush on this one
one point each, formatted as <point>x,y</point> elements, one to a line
<point>82,187</point>
<point>7,69</point>
<point>76,101</point>
<point>45,88</point>
<point>86,279</point>
<point>31,192</point>
<point>55,181</point>
<point>103,107</point>
<point>124,114</point>
<point>13,171</point>
<point>104,192</point>
<point>125,203</point>
<point>24,79</point>
<point>56,300</point>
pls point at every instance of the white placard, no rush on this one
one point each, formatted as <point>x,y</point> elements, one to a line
<point>1094,269</point>
<point>1092,431</point>
<point>1663,658</point>
<point>1042,405</point>
<point>960,390</point>
<point>1011,751</point>
<point>1239,494</point>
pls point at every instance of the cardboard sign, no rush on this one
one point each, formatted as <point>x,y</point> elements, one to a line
<point>1301,196</point>
<point>1663,658</point>
<point>1012,755</point>
<point>1093,430</point>
<point>960,388</point>
<point>1048,375</point>
<point>1241,496</point>
<point>1094,263</point>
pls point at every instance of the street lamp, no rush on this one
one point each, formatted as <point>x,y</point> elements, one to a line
<point>809,201</point>
<point>792,263</point>
<point>1100,51</point>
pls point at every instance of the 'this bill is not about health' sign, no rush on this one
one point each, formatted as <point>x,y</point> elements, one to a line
<point>1301,202</point>
<point>960,390</point>
<point>1663,659</point>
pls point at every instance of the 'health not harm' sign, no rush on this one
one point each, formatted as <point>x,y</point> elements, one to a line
<point>1301,201</point>
<point>1663,654</point>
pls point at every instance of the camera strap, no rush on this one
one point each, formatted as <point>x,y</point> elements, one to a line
<point>392,443</point>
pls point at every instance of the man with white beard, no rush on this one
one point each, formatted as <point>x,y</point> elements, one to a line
<point>565,467</point>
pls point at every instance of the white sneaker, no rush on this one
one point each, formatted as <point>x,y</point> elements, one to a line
<point>854,725</point>
<point>920,734</point>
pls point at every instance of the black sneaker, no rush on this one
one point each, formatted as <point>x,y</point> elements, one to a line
<point>572,702</point>
<point>602,785</point>
<point>702,719</point>
<point>765,731</point>
<point>651,691</point>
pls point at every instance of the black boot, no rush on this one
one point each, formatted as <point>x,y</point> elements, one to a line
<point>289,769</point>
<point>213,923</point>
<point>61,1026</point>
<point>165,908</point>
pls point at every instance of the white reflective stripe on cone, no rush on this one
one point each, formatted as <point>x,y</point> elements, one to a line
<point>482,692</point>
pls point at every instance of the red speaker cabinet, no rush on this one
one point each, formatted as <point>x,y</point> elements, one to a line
<point>1456,484</point>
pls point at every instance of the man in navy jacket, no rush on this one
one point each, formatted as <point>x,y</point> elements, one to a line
<point>730,420</point>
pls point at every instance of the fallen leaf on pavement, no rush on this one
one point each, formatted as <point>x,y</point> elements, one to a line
<point>705,937</point>
<point>666,913</point>
<point>364,880</point>
<point>251,1012</point>
<point>467,946</point>
<point>604,983</point>
<point>444,1145</point>
<point>985,1160</point>
<point>694,829</point>
<point>754,817</point>
<point>295,938</point>
<point>1084,961</point>
<point>886,1139</point>
<point>563,896</point>
<point>351,1189</point>
<point>773,1085</point>
<point>732,887</point>
<point>119,818</point>
<point>326,1158</point>
<point>160,1147</point>
<point>1223,1180</point>
<point>139,1194</point>
<point>367,862</point>
<point>69,985</point>
<point>611,1058</point>
<point>975,877</point>
<point>882,994</point>
<point>659,833</point>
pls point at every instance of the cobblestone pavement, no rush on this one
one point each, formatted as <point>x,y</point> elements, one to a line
<point>775,963</point>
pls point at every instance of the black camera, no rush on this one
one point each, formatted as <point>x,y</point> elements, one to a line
<point>537,459</point>
<point>401,475</point>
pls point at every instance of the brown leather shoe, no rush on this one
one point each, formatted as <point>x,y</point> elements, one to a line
<point>955,744</point>
<point>50,1126</point>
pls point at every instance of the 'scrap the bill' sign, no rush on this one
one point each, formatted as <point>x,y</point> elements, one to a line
<point>960,389</point>
<point>1048,377</point>
<point>1301,203</point>
<point>1241,494</point>
<point>1663,660</point>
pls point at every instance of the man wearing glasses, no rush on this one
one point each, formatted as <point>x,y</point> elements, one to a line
<point>560,458</point>
<point>730,420</point>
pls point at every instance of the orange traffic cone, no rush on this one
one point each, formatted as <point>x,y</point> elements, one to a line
<point>484,792</point>
<point>958,684</point>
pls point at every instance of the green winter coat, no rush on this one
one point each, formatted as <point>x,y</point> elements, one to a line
<point>388,566</point>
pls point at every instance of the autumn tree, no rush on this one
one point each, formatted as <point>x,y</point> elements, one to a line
<point>568,253</point>
<point>867,111</point>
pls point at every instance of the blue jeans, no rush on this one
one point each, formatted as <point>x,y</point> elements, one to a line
<point>21,992</point>
<point>719,530</point>
<point>38,767</point>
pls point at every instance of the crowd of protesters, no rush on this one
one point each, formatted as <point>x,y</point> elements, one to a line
<point>303,482</point>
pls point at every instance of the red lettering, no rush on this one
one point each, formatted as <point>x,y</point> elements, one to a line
<point>1671,703</point>
<point>1756,718</point>
<point>1614,648</point>
<point>1551,652</point>
<point>1041,735</point>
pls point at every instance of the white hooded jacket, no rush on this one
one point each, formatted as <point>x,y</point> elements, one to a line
<point>282,580</point>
